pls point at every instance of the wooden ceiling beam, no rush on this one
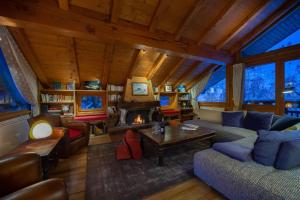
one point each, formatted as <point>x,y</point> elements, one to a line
<point>187,20</point>
<point>54,20</point>
<point>115,10</point>
<point>177,66</point>
<point>73,48</point>
<point>271,20</point>
<point>108,58</point>
<point>215,21</point>
<point>187,73</point>
<point>161,8</point>
<point>63,4</point>
<point>135,60</point>
<point>157,64</point>
<point>22,40</point>
<point>244,23</point>
<point>195,80</point>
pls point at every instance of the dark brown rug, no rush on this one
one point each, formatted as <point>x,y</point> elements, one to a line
<point>110,179</point>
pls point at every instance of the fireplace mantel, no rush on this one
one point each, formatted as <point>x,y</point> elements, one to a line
<point>139,105</point>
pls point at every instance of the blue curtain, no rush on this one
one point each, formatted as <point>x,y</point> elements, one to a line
<point>9,84</point>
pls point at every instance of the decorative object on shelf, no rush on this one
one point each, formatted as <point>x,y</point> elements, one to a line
<point>40,129</point>
<point>139,89</point>
<point>168,88</point>
<point>155,89</point>
<point>181,88</point>
<point>92,85</point>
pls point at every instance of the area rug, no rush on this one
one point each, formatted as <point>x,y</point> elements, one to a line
<point>108,178</point>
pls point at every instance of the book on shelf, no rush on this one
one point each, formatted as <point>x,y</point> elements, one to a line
<point>114,97</point>
<point>63,86</point>
<point>5,99</point>
<point>184,97</point>
<point>117,88</point>
<point>51,98</point>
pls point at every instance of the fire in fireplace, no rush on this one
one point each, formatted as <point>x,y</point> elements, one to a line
<point>138,119</point>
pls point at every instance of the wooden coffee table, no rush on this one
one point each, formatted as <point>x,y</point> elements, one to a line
<point>174,136</point>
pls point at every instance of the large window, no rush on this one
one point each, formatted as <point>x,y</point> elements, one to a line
<point>259,87</point>
<point>292,87</point>
<point>291,40</point>
<point>215,90</point>
<point>10,97</point>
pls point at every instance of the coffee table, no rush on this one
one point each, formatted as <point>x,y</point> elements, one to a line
<point>174,136</point>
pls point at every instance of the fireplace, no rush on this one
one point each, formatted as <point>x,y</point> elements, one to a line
<point>138,116</point>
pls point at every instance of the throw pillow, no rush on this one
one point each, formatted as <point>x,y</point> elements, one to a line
<point>234,119</point>
<point>284,122</point>
<point>267,145</point>
<point>288,155</point>
<point>258,120</point>
<point>233,150</point>
<point>293,128</point>
<point>123,113</point>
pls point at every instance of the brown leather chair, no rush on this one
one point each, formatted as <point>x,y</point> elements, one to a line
<point>21,179</point>
<point>68,144</point>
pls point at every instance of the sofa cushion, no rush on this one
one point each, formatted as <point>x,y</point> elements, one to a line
<point>233,150</point>
<point>234,119</point>
<point>258,120</point>
<point>267,145</point>
<point>284,122</point>
<point>74,134</point>
<point>211,115</point>
<point>293,128</point>
<point>288,155</point>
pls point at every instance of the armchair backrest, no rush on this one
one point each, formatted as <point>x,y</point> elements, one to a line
<point>54,120</point>
<point>19,171</point>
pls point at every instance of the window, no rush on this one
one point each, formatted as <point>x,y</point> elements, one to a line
<point>10,97</point>
<point>215,89</point>
<point>259,85</point>
<point>291,40</point>
<point>292,87</point>
<point>282,34</point>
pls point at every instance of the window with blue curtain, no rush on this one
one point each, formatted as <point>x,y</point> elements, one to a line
<point>259,84</point>
<point>10,97</point>
<point>215,89</point>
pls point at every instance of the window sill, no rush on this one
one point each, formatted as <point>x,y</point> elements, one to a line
<point>260,108</point>
<point>10,115</point>
<point>213,104</point>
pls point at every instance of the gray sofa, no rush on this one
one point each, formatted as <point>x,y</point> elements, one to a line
<point>241,180</point>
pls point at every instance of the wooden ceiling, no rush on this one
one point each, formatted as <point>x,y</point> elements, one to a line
<point>168,41</point>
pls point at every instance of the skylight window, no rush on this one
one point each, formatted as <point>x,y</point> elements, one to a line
<point>291,40</point>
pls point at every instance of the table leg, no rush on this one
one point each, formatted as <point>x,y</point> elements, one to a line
<point>45,167</point>
<point>160,157</point>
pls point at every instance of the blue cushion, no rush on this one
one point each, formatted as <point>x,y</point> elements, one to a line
<point>234,119</point>
<point>284,122</point>
<point>258,120</point>
<point>233,150</point>
<point>288,155</point>
<point>267,145</point>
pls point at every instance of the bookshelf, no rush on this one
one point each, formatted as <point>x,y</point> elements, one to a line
<point>115,94</point>
<point>66,100</point>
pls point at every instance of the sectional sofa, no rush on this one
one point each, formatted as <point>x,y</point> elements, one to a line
<point>238,180</point>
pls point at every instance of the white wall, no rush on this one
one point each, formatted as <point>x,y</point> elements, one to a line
<point>13,132</point>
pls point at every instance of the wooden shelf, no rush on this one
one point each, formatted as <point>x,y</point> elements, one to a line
<point>166,93</point>
<point>52,90</point>
<point>91,91</point>
<point>183,92</point>
<point>58,102</point>
<point>115,92</point>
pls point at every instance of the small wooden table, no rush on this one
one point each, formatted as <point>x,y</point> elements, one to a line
<point>174,136</point>
<point>43,147</point>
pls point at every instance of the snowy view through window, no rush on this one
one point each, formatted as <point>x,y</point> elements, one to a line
<point>215,90</point>
<point>259,85</point>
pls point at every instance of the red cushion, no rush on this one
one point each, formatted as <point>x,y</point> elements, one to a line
<point>123,152</point>
<point>170,112</point>
<point>133,142</point>
<point>91,117</point>
<point>73,133</point>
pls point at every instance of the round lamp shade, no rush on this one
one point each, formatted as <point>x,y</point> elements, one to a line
<point>40,129</point>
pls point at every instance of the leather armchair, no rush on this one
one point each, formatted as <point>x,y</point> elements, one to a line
<point>68,144</point>
<point>21,178</point>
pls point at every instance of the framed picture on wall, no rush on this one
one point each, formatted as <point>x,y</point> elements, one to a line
<point>168,88</point>
<point>139,89</point>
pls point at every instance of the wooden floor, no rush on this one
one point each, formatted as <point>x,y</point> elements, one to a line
<point>73,171</point>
